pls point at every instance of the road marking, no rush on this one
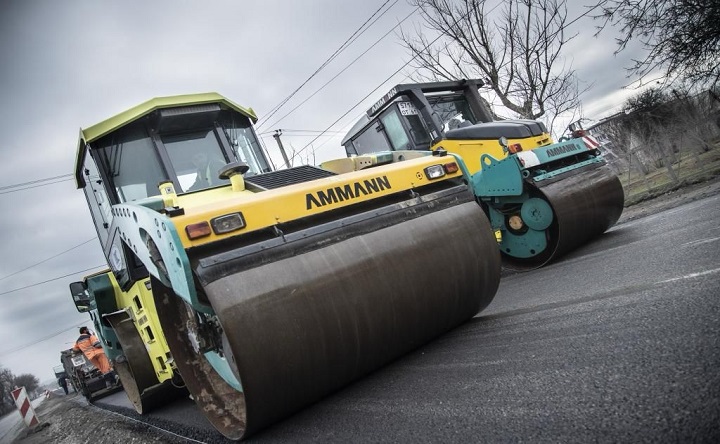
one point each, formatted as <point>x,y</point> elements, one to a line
<point>701,241</point>
<point>691,276</point>
<point>624,291</point>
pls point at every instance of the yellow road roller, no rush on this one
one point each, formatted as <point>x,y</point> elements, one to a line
<point>127,325</point>
<point>276,288</point>
<point>543,199</point>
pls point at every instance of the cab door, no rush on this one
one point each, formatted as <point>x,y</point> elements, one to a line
<point>404,127</point>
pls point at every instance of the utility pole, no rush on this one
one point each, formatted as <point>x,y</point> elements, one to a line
<point>277,135</point>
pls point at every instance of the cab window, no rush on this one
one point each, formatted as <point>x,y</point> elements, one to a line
<point>132,164</point>
<point>196,158</point>
<point>371,140</point>
<point>417,129</point>
<point>395,131</point>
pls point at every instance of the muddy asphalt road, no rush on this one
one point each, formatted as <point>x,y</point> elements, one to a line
<point>617,342</point>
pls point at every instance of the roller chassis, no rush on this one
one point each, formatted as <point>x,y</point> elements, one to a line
<point>275,288</point>
<point>543,198</point>
<point>85,378</point>
<point>195,288</point>
<point>555,190</point>
<point>154,239</point>
<point>128,338</point>
<point>276,326</point>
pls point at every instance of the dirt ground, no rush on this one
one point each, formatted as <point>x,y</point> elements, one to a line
<point>70,419</point>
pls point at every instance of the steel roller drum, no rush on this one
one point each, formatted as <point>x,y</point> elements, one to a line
<point>135,368</point>
<point>300,328</point>
<point>585,204</point>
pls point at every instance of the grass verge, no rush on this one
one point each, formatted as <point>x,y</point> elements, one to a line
<point>689,170</point>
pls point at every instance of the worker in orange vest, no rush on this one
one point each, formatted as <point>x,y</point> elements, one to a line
<point>90,346</point>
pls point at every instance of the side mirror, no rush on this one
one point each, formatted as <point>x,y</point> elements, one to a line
<point>80,296</point>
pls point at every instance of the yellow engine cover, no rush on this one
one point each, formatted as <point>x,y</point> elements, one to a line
<point>272,207</point>
<point>471,150</point>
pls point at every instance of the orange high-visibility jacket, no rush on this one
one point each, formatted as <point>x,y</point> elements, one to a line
<point>85,344</point>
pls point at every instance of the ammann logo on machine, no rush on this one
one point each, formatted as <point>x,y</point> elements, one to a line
<point>564,149</point>
<point>347,192</point>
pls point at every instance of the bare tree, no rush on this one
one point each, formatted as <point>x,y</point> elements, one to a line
<point>7,380</point>
<point>659,129</point>
<point>682,37</point>
<point>518,52</point>
<point>27,380</point>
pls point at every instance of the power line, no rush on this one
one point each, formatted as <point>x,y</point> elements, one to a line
<point>407,63</point>
<point>45,260</point>
<point>331,58</point>
<point>65,176</point>
<point>381,84</point>
<point>320,134</point>
<point>337,52</point>
<point>391,76</point>
<point>356,118</point>
<point>53,279</point>
<point>344,131</point>
<point>43,339</point>
<point>346,68</point>
<point>348,111</point>
<point>294,131</point>
<point>34,184</point>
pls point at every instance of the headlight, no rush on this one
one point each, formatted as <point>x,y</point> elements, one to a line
<point>227,223</point>
<point>434,172</point>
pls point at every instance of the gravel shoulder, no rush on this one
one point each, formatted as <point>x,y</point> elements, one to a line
<point>70,419</point>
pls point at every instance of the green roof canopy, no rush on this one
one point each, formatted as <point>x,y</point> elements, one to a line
<point>107,126</point>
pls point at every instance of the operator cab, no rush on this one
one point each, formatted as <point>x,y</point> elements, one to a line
<point>400,126</point>
<point>186,145</point>
<point>183,140</point>
<point>419,116</point>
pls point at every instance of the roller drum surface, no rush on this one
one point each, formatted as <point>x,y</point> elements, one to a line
<point>300,328</point>
<point>586,206</point>
<point>135,368</point>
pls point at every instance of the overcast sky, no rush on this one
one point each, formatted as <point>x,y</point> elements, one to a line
<point>70,64</point>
